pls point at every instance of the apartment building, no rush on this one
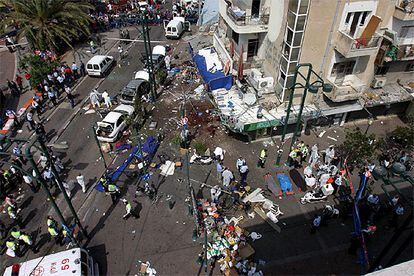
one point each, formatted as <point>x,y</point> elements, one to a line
<point>364,48</point>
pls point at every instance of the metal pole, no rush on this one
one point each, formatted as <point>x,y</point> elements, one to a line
<point>59,183</point>
<point>302,105</point>
<point>49,195</point>
<point>99,147</point>
<point>282,139</point>
<point>148,55</point>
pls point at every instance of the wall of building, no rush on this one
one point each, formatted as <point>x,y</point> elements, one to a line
<point>272,42</point>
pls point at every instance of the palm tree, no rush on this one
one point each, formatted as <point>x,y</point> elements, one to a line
<point>47,23</point>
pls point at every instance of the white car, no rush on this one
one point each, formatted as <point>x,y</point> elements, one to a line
<point>142,75</point>
<point>111,127</point>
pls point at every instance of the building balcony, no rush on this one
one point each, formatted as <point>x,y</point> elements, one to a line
<point>405,52</point>
<point>348,89</point>
<point>351,47</point>
<point>241,21</point>
<point>404,10</point>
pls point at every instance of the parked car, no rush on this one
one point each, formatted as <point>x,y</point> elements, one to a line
<point>111,127</point>
<point>176,27</point>
<point>135,88</point>
<point>142,75</point>
<point>99,65</point>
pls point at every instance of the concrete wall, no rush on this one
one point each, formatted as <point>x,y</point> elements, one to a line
<point>273,42</point>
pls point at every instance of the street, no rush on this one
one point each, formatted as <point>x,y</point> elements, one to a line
<point>163,234</point>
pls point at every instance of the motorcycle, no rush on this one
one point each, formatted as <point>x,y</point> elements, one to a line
<point>198,159</point>
<point>313,197</point>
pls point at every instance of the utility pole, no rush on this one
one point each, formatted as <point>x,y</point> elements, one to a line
<point>148,54</point>
<point>60,185</point>
<point>99,147</point>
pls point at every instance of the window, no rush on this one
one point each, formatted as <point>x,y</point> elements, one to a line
<point>407,32</point>
<point>298,39</point>
<point>303,8</point>
<point>107,59</point>
<point>363,18</point>
<point>286,50</point>
<point>174,29</point>
<point>96,67</point>
<point>289,37</point>
<point>300,26</point>
<point>343,68</point>
<point>409,67</point>
<point>291,20</point>
<point>348,18</point>
<point>120,121</point>
<point>252,47</point>
<point>235,37</point>
<point>295,54</point>
<point>381,70</point>
<point>89,66</point>
<point>293,5</point>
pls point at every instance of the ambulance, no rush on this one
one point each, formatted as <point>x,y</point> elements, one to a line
<point>75,262</point>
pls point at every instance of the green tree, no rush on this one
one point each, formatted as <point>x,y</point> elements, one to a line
<point>38,67</point>
<point>402,136</point>
<point>358,147</point>
<point>47,24</point>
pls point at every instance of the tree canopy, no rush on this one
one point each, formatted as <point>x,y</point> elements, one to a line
<point>47,24</point>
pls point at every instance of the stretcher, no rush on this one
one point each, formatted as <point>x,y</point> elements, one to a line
<point>272,185</point>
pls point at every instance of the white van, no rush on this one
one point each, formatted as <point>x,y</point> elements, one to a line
<point>74,262</point>
<point>176,27</point>
<point>99,65</point>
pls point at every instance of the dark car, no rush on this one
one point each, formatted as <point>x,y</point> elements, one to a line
<point>135,88</point>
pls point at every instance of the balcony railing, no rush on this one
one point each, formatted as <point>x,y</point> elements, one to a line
<point>239,17</point>
<point>404,10</point>
<point>354,47</point>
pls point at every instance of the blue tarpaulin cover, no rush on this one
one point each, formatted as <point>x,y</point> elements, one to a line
<point>214,80</point>
<point>150,147</point>
<point>285,183</point>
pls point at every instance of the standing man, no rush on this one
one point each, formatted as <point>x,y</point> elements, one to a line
<point>82,69</point>
<point>28,77</point>
<point>70,96</point>
<point>244,170</point>
<point>240,163</point>
<point>262,158</point>
<point>75,70</point>
<point>314,156</point>
<point>29,119</point>
<point>52,96</point>
<point>107,99</point>
<point>329,155</point>
<point>227,177</point>
<point>114,191</point>
<point>81,181</point>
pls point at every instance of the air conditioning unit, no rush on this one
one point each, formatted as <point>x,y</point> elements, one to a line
<point>378,82</point>
<point>255,74</point>
<point>264,83</point>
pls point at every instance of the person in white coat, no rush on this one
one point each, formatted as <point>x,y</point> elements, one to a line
<point>107,99</point>
<point>314,156</point>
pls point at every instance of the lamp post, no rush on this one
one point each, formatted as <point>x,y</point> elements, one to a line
<point>308,86</point>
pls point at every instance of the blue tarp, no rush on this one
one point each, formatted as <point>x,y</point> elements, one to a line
<point>285,183</point>
<point>214,80</point>
<point>150,147</point>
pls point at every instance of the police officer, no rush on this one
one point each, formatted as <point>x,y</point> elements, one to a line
<point>129,211</point>
<point>113,190</point>
<point>262,158</point>
<point>51,222</point>
<point>13,246</point>
<point>15,233</point>
<point>54,233</point>
<point>12,211</point>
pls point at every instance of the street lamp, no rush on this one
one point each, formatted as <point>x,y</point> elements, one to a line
<point>308,86</point>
